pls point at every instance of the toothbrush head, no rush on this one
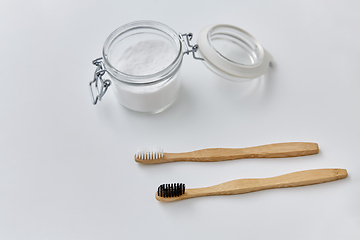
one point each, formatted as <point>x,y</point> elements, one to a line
<point>149,153</point>
<point>171,190</point>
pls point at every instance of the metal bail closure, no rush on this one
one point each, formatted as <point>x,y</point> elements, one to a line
<point>190,48</point>
<point>99,83</point>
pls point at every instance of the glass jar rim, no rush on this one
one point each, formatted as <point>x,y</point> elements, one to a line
<point>150,78</point>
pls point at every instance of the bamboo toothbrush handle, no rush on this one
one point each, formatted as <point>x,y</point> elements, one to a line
<point>294,179</point>
<point>277,150</point>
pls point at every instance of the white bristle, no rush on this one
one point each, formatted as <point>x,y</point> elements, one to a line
<point>149,153</point>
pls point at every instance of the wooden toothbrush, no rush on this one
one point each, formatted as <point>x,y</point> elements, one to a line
<point>176,191</point>
<point>276,150</point>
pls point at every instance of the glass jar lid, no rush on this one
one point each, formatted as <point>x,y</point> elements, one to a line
<point>232,52</point>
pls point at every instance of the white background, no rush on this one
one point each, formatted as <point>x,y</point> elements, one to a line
<point>67,168</point>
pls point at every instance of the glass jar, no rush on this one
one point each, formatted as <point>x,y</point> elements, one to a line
<point>149,92</point>
<point>143,60</point>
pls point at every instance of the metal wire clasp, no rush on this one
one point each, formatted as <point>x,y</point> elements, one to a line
<point>190,48</point>
<point>98,82</point>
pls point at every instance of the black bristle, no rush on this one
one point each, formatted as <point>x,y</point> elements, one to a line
<point>171,190</point>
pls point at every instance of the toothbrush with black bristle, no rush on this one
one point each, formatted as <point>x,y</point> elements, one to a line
<point>277,150</point>
<point>176,191</point>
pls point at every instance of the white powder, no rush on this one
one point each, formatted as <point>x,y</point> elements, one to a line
<point>154,99</point>
<point>146,57</point>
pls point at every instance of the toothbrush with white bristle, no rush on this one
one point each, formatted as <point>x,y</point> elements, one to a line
<point>148,155</point>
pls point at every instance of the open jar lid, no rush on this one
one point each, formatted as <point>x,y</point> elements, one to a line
<point>232,52</point>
